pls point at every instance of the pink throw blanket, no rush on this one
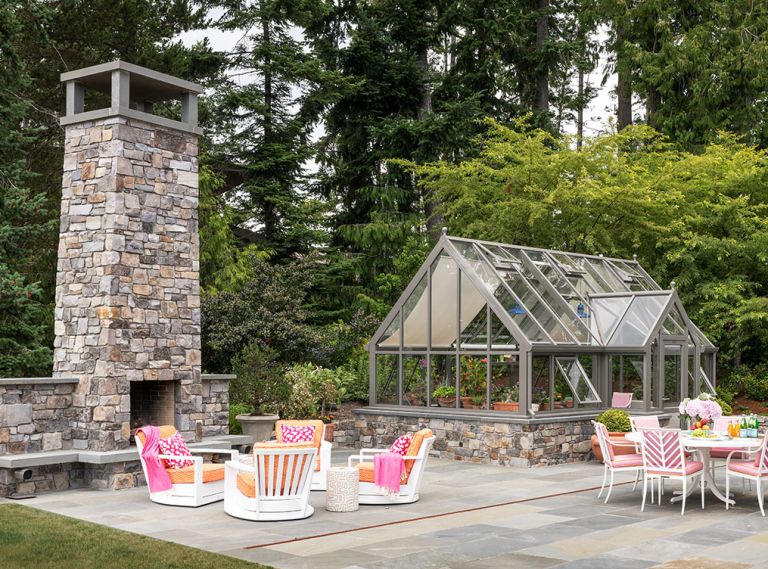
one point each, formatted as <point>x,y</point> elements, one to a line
<point>388,470</point>
<point>157,478</point>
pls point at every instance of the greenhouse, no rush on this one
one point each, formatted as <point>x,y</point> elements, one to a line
<point>487,328</point>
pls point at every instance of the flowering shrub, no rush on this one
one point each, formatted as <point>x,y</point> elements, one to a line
<point>702,407</point>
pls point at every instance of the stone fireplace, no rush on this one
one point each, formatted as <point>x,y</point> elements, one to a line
<point>127,318</point>
<point>152,403</point>
<point>127,295</point>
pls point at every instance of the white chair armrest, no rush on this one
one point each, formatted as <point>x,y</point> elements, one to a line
<point>196,459</point>
<point>363,458</point>
<point>231,452</point>
<point>241,466</point>
<point>739,452</point>
<point>373,450</point>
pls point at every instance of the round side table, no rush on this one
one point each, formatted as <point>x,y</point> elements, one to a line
<point>342,492</point>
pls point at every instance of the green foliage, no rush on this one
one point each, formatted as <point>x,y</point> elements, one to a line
<point>267,310</point>
<point>315,390</point>
<point>444,391</point>
<point>356,374</point>
<point>260,384</point>
<point>236,409</point>
<point>726,407</point>
<point>615,420</point>
<point>753,382</point>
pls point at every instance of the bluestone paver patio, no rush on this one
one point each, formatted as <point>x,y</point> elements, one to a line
<point>469,516</point>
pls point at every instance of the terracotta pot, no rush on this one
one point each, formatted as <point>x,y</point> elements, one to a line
<point>446,401</point>
<point>569,404</point>
<point>329,428</point>
<point>544,406</point>
<point>506,405</point>
<point>466,402</point>
<point>616,437</point>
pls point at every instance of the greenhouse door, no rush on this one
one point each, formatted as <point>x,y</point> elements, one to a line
<point>674,374</point>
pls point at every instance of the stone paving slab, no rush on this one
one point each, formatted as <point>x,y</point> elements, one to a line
<point>476,526</point>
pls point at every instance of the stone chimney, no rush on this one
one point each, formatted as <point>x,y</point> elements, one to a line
<point>127,288</point>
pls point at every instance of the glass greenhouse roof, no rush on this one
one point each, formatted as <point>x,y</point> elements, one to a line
<point>479,293</point>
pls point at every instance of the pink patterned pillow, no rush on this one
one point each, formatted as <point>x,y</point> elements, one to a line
<point>401,445</point>
<point>175,445</point>
<point>292,434</point>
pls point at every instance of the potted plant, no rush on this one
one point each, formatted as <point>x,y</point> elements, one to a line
<point>617,423</point>
<point>445,395</point>
<point>473,382</point>
<point>543,400</point>
<point>507,399</point>
<point>261,386</point>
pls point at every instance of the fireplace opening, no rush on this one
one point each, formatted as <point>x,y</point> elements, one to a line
<point>152,403</point>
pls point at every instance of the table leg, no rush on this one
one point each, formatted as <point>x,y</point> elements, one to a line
<point>709,481</point>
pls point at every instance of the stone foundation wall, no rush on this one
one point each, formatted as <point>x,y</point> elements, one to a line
<point>36,418</point>
<point>506,444</point>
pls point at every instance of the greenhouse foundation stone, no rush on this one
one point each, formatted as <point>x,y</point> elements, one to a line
<point>475,440</point>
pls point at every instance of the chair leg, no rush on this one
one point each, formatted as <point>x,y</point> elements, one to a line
<point>727,489</point>
<point>685,491</point>
<point>609,488</point>
<point>701,483</point>
<point>645,488</point>
<point>661,488</point>
<point>605,477</point>
<point>760,497</point>
<point>637,479</point>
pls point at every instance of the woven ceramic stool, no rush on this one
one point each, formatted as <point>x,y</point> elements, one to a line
<point>342,492</point>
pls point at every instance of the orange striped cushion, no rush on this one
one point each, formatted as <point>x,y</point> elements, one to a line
<point>318,425</point>
<point>246,481</point>
<point>413,450</point>
<point>186,475</point>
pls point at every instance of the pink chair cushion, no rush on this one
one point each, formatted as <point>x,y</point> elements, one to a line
<point>745,467</point>
<point>723,452</point>
<point>627,460</point>
<point>649,422</point>
<point>690,468</point>
<point>621,400</point>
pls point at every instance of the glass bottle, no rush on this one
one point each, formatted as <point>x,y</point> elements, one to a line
<point>744,430</point>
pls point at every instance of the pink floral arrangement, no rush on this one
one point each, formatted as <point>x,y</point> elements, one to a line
<point>702,407</point>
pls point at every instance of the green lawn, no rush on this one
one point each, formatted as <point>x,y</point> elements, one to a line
<point>31,539</point>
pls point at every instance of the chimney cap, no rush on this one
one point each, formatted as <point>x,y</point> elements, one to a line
<point>147,84</point>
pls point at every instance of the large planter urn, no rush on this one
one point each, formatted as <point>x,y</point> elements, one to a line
<point>446,401</point>
<point>616,437</point>
<point>258,427</point>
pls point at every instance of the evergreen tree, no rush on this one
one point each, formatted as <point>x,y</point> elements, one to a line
<point>24,343</point>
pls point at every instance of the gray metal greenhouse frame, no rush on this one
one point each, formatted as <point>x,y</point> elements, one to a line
<point>538,324</point>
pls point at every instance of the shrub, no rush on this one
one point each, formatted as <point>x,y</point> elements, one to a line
<point>236,409</point>
<point>726,407</point>
<point>260,382</point>
<point>755,384</point>
<point>355,374</point>
<point>615,420</point>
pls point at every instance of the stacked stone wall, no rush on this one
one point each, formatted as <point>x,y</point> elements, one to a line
<point>215,409</point>
<point>127,296</point>
<point>509,444</point>
<point>36,418</point>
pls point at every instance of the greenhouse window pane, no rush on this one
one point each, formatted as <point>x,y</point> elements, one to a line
<point>391,338</point>
<point>638,321</point>
<point>534,306</point>
<point>501,337</point>
<point>415,380</point>
<point>387,370</point>
<point>445,294</point>
<point>415,316</point>
<point>607,275</point>
<point>674,325</point>
<point>574,374</point>
<point>520,316</point>
<point>606,314</point>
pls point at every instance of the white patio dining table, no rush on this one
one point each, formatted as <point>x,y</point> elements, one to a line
<point>702,447</point>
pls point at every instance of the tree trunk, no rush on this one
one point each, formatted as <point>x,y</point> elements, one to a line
<point>623,89</point>
<point>268,207</point>
<point>580,111</point>
<point>542,77</point>
<point>652,105</point>
<point>435,221</point>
